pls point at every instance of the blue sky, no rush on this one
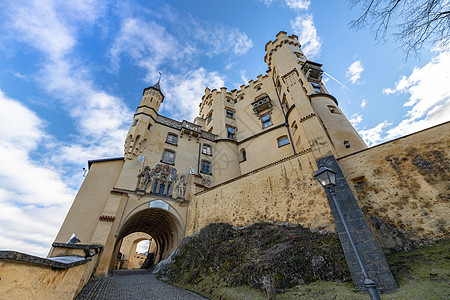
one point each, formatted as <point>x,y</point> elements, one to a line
<point>72,74</point>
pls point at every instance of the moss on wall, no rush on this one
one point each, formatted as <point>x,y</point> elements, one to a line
<point>267,256</point>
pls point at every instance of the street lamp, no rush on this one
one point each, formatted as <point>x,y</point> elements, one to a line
<point>327,178</point>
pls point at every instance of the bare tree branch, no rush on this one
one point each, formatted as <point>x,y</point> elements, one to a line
<point>416,23</point>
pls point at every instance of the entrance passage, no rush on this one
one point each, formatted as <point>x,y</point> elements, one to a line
<point>164,228</point>
<point>134,285</point>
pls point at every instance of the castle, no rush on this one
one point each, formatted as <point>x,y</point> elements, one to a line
<point>250,156</point>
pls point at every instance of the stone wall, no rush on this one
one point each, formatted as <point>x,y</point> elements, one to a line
<point>284,191</point>
<point>403,187</point>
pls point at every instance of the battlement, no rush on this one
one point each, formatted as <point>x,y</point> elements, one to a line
<point>282,38</point>
<point>210,95</point>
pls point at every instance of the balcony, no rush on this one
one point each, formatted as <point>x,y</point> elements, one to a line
<point>312,70</point>
<point>261,104</point>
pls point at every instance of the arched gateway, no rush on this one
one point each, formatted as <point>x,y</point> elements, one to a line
<point>249,156</point>
<point>165,229</point>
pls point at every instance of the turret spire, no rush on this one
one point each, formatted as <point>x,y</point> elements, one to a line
<point>156,85</point>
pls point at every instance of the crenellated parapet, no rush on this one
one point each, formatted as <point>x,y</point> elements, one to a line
<point>282,39</point>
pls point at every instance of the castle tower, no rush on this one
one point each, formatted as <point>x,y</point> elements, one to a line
<point>298,82</point>
<point>143,120</point>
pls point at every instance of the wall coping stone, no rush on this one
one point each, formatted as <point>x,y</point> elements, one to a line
<point>61,262</point>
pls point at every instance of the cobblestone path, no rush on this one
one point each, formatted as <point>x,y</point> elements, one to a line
<point>133,285</point>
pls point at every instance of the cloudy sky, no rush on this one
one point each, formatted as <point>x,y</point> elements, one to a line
<point>72,74</point>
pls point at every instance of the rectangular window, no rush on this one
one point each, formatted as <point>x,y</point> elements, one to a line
<point>172,139</point>
<point>206,167</point>
<point>231,132</point>
<point>209,117</point>
<point>316,87</point>
<point>206,150</point>
<point>168,157</point>
<point>149,126</point>
<point>266,121</point>
<point>230,114</point>
<point>135,122</point>
<point>283,141</point>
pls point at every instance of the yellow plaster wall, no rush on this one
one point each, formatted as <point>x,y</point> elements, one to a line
<point>403,186</point>
<point>284,192</point>
<point>21,280</point>
<point>89,204</point>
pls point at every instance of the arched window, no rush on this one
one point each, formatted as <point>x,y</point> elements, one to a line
<point>243,155</point>
<point>168,157</point>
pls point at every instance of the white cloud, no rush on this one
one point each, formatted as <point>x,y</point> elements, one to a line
<point>33,197</point>
<point>355,119</point>
<point>303,26</point>
<point>215,38</point>
<point>229,66</point>
<point>354,71</point>
<point>429,96</point>
<point>373,135</point>
<point>152,44</point>
<point>266,2</point>
<point>298,4</point>
<point>244,78</point>
<point>363,103</point>
<point>183,92</point>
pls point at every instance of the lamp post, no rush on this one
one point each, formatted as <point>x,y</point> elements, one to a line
<point>327,178</point>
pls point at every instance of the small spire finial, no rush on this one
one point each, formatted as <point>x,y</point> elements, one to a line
<point>156,85</point>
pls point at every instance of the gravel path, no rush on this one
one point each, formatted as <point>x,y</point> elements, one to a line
<point>134,284</point>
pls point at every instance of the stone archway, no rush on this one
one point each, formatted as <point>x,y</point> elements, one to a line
<point>128,256</point>
<point>162,225</point>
